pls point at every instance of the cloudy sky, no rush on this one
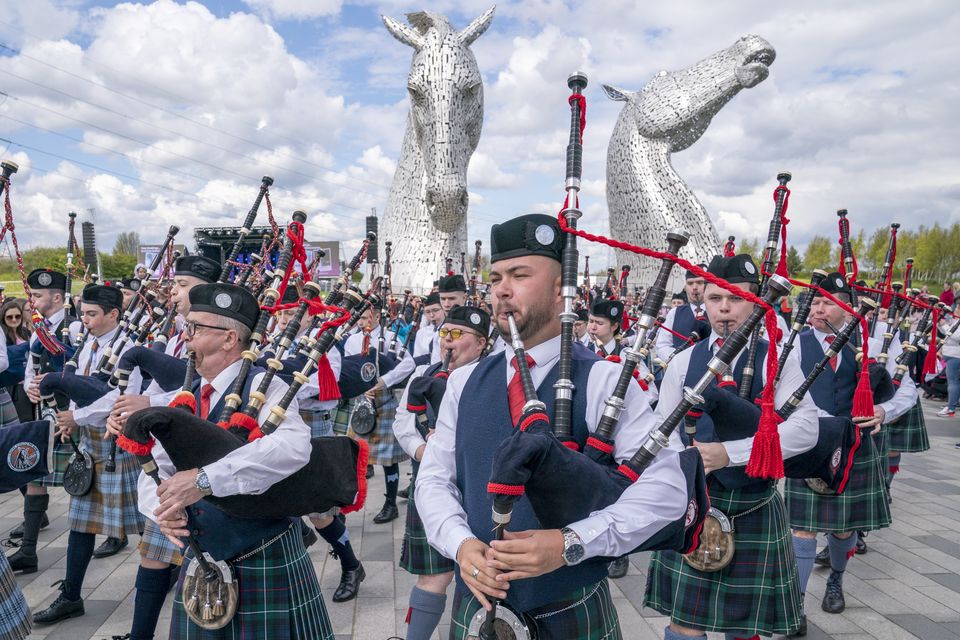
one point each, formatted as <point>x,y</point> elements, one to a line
<point>152,114</point>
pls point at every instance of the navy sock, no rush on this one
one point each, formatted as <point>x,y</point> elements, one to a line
<point>338,537</point>
<point>840,551</point>
<point>79,553</point>
<point>805,550</point>
<point>152,586</point>
<point>392,478</point>
<point>423,616</point>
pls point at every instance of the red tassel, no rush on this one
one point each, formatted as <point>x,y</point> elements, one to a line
<point>255,434</point>
<point>134,447</point>
<point>240,419</point>
<point>361,478</point>
<point>766,456</point>
<point>329,389</point>
<point>184,400</point>
<point>930,362</point>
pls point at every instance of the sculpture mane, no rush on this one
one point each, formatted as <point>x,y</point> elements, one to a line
<point>645,195</point>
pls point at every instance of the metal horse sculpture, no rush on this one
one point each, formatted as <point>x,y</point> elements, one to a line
<point>426,215</point>
<point>644,193</point>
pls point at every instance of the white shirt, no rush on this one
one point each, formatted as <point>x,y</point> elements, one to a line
<point>252,468</point>
<point>75,328</point>
<point>798,433</point>
<point>664,345</point>
<point>354,346</point>
<point>424,339</point>
<point>951,341</point>
<point>659,497</point>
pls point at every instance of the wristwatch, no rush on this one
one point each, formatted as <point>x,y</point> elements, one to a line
<point>203,482</point>
<point>572,547</point>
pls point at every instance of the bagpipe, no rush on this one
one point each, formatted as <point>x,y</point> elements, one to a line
<point>804,305</point>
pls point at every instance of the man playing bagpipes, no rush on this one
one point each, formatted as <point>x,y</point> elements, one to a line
<point>384,449</point>
<point>682,319</point>
<point>580,327</point>
<point>863,504</point>
<point>756,592</point>
<point>423,343</point>
<point>452,292</point>
<point>158,555</point>
<point>109,506</point>
<point>463,337</point>
<point>279,594</point>
<point>556,580</point>
<point>46,294</point>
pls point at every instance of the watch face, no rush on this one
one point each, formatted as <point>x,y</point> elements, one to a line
<point>573,554</point>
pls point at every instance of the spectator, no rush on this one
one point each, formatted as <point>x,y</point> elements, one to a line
<point>946,297</point>
<point>951,353</point>
<point>17,338</point>
<point>10,308</point>
<point>956,294</point>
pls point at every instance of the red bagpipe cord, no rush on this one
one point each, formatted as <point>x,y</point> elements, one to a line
<point>766,457</point>
<point>784,221</point>
<point>863,395</point>
<point>664,327</point>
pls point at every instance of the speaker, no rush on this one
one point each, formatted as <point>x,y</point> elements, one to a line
<point>372,255</point>
<point>90,256</point>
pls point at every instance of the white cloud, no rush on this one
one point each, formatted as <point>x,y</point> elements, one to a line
<point>296,9</point>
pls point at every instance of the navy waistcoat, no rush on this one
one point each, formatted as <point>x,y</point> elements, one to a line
<point>832,391</point>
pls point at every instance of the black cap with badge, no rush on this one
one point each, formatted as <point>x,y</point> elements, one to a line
<point>534,234</point>
<point>452,284</point>
<point>104,296</point>
<point>131,284</point>
<point>692,276</point>
<point>469,317</point>
<point>433,298</point>
<point>735,269</point>
<point>834,283</point>
<point>198,267</point>
<point>47,279</point>
<point>612,310</point>
<point>227,300</point>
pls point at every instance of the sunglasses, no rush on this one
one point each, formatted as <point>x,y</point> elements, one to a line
<point>453,334</point>
<point>13,317</point>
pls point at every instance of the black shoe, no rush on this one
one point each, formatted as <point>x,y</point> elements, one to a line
<point>833,601</point>
<point>618,568</point>
<point>349,584</point>
<point>17,531</point>
<point>861,543</point>
<point>823,558</point>
<point>802,629</point>
<point>23,562</point>
<point>387,513</point>
<point>110,547</point>
<point>60,609</point>
<point>369,471</point>
<point>404,493</point>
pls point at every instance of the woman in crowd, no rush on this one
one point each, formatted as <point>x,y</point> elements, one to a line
<point>13,358</point>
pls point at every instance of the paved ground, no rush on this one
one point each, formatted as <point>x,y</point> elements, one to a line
<point>907,586</point>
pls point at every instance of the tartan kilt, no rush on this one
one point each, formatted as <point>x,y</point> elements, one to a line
<point>61,456</point>
<point>908,433</point>
<point>757,593</point>
<point>416,554</point>
<point>8,410</point>
<point>280,597</point>
<point>341,417</point>
<point>155,546</point>
<point>110,507</point>
<point>15,619</point>
<point>586,614</point>
<point>320,422</point>
<point>384,448</point>
<point>861,507</point>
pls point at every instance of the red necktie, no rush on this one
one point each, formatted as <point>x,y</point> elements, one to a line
<point>833,361</point>
<point>515,395</point>
<point>698,313</point>
<point>205,394</point>
<point>716,347</point>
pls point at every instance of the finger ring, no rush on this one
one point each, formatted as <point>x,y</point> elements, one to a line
<point>475,572</point>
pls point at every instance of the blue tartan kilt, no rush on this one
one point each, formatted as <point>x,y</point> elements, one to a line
<point>384,448</point>
<point>861,507</point>
<point>320,422</point>
<point>757,593</point>
<point>15,619</point>
<point>341,417</point>
<point>586,614</point>
<point>416,554</point>
<point>155,546</point>
<point>280,597</point>
<point>908,433</point>
<point>110,507</point>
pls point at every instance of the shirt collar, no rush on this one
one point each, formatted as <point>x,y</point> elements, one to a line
<point>55,319</point>
<point>105,338</point>
<point>225,378</point>
<point>546,353</point>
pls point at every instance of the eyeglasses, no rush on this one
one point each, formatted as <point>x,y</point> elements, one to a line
<point>192,325</point>
<point>453,334</point>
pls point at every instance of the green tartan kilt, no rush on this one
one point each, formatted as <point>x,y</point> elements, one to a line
<point>280,597</point>
<point>416,554</point>
<point>155,546</point>
<point>61,456</point>
<point>384,448</point>
<point>908,433</point>
<point>15,619</point>
<point>861,507</point>
<point>587,614</point>
<point>341,417</point>
<point>757,593</point>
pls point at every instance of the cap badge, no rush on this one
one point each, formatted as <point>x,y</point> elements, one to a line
<point>475,318</point>
<point>223,300</point>
<point>839,282</point>
<point>545,234</point>
<point>45,279</point>
<point>749,268</point>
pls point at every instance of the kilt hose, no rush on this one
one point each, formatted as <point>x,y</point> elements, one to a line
<point>416,555</point>
<point>586,614</point>
<point>155,546</point>
<point>280,597</point>
<point>15,619</point>
<point>384,448</point>
<point>908,433</point>
<point>861,507</point>
<point>757,593</point>
<point>110,507</point>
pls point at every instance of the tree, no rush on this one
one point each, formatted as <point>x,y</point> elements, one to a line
<point>128,243</point>
<point>818,254</point>
<point>794,263</point>
<point>751,247</point>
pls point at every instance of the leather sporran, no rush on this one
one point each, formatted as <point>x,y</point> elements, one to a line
<point>363,420</point>
<point>210,601</point>
<point>506,626</point>
<point>716,547</point>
